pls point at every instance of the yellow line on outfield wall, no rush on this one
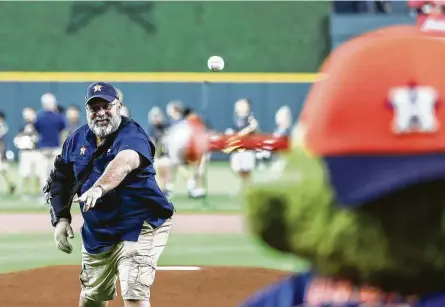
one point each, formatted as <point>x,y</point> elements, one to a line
<point>225,77</point>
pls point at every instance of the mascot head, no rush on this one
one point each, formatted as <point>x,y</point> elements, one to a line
<point>362,196</point>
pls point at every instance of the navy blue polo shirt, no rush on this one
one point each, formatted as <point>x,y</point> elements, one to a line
<point>308,290</point>
<point>49,125</point>
<point>119,214</point>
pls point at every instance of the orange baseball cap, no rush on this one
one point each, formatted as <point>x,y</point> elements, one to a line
<point>377,116</point>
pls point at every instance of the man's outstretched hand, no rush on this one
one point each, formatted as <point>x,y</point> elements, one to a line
<point>89,198</point>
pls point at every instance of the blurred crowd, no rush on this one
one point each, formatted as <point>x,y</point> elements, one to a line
<point>414,7</point>
<point>377,6</point>
<point>43,132</point>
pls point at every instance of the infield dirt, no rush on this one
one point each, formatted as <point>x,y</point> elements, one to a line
<point>58,286</point>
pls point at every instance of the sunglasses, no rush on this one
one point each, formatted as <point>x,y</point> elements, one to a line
<point>97,108</point>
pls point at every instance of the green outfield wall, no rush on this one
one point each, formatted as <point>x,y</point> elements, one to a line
<point>160,36</point>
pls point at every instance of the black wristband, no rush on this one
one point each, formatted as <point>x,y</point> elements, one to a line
<point>56,216</point>
<point>100,187</point>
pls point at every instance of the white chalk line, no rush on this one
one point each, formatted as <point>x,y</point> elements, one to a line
<point>178,268</point>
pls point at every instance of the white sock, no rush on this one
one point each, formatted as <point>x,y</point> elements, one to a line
<point>198,192</point>
<point>191,184</point>
<point>169,186</point>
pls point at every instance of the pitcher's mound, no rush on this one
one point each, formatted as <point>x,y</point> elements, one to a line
<point>174,286</point>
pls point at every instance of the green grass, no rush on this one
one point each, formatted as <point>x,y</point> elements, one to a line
<point>26,251</point>
<point>223,186</point>
<point>21,252</point>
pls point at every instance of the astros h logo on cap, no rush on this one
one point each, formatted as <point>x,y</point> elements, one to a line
<point>379,131</point>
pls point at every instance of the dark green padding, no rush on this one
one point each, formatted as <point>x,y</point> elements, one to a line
<point>163,36</point>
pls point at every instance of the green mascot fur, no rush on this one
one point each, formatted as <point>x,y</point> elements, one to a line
<point>362,194</point>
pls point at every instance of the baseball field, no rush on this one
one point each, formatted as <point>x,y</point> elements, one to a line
<point>210,259</point>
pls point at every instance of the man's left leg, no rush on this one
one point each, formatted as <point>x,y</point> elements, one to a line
<point>137,264</point>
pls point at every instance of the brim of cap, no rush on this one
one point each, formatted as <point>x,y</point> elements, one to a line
<point>108,98</point>
<point>360,179</point>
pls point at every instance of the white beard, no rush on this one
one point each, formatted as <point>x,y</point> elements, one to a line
<point>103,131</point>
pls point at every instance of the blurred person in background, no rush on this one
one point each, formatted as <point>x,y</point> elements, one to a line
<point>367,6</point>
<point>72,118</point>
<point>60,109</point>
<point>163,165</point>
<point>186,142</point>
<point>175,111</point>
<point>4,167</point>
<point>49,124</point>
<point>197,155</point>
<point>72,115</point>
<point>26,142</point>
<point>420,7</point>
<point>243,161</point>
<point>120,95</point>
<point>430,15</point>
<point>283,122</point>
<point>124,109</point>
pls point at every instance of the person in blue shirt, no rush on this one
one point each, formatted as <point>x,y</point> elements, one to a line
<point>127,218</point>
<point>244,123</point>
<point>49,124</point>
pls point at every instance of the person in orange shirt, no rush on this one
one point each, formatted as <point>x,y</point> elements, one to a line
<point>197,156</point>
<point>186,144</point>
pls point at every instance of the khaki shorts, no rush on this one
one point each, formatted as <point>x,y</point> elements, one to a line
<point>133,262</point>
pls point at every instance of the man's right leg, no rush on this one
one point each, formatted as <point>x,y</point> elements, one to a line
<point>98,278</point>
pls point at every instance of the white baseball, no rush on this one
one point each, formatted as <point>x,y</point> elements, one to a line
<point>215,63</point>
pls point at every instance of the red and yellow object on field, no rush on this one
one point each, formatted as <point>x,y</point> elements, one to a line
<point>229,144</point>
<point>198,141</point>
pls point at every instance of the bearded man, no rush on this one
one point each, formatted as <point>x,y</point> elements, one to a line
<point>127,218</point>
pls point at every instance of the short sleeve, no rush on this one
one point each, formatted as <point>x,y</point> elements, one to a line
<point>137,143</point>
<point>37,124</point>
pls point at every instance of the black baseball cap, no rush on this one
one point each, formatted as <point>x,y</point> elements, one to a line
<point>102,90</point>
